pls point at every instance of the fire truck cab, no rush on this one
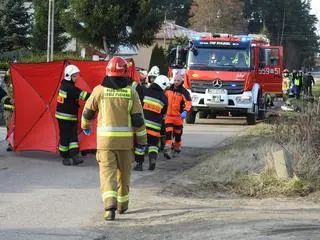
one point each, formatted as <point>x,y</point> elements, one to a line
<point>229,74</point>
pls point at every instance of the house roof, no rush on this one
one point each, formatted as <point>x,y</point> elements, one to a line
<point>170,30</point>
<point>126,51</point>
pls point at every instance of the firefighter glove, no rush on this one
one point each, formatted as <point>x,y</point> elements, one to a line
<point>142,148</point>
<point>183,115</point>
<point>87,131</point>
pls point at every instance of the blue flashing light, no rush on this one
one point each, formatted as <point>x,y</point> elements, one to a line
<point>245,39</point>
<point>233,85</point>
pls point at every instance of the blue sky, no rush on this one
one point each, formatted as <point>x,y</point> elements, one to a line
<point>315,4</point>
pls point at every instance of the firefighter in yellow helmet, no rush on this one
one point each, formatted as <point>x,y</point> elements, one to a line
<point>120,116</point>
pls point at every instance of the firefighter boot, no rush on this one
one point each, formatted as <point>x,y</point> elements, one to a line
<point>122,211</point>
<point>76,160</point>
<point>9,148</point>
<point>152,161</point>
<point>167,152</point>
<point>109,215</point>
<point>176,151</point>
<point>66,161</point>
<point>138,166</point>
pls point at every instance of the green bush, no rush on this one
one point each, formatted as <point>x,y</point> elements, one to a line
<point>4,66</point>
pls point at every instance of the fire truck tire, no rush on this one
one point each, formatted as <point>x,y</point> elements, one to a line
<point>251,118</point>
<point>262,108</point>
<point>212,116</point>
<point>203,115</point>
<point>191,117</point>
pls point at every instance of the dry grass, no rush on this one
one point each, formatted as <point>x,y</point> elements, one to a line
<point>240,166</point>
<point>267,184</point>
<point>300,135</point>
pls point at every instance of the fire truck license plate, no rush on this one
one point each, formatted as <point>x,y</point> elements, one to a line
<point>217,91</point>
<point>216,99</point>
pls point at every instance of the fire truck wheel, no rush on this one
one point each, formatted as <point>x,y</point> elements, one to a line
<point>262,108</point>
<point>251,118</point>
<point>191,117</point>
<point>212,116</point>
<point>203,115</point>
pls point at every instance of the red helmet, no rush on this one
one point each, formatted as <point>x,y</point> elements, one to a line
<point>285,71</point>
<point>117,67</point>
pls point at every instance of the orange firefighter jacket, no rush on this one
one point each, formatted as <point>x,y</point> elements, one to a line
<point>179,100</point>
<point>120,117</point>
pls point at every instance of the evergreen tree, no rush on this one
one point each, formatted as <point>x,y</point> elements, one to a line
<point>158,58</point>
<point>110,23</point>
<point>289,23</point>
<point>14,25</point>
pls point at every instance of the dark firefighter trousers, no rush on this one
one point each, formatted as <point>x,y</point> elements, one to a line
<point>153,145</point>
<point>69,145</point>
<point>115,171</point>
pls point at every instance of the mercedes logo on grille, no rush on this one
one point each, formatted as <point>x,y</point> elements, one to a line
<point>217,83</point>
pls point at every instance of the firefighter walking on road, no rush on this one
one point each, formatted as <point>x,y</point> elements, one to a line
<point>120,116</point>
<point>67,115</point>
<point>179,103</point>
<point>154,108</point>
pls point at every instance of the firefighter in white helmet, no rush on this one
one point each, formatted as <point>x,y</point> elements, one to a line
<point>152,74</point>
<point>154,110</point>
<point>120,116</point>
<point>67,115</point>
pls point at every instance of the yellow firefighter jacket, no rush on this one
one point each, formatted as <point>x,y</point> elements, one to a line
<point>120,117</point>
<point>285,83</point>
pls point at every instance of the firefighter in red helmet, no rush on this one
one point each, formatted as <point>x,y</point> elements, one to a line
<point>120,117</point>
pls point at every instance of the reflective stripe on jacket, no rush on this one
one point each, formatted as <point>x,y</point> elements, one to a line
<point>68,101</point>
<point>115,126</point>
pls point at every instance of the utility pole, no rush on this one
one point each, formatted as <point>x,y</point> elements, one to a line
<point>164,29</point>
<point>50,40</point>
<point>283,24</point>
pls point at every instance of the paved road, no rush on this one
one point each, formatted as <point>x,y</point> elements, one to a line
<point>41,199</point>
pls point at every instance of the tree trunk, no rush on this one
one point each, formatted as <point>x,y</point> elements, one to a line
<point>105,47</point>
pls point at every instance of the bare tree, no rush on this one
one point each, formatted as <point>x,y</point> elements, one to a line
<point>219,16</point>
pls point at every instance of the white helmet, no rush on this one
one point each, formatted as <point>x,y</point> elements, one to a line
<point>69,71</point>
<point>162,81</point>
<point>154,72</point>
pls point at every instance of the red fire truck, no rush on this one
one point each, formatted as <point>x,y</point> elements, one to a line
<point>229,74</point>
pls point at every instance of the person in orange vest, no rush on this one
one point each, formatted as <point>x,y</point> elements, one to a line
<point>179,104</point>
<point>119,118</point>
<point>67,115</point>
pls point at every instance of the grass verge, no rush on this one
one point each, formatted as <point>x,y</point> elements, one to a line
<point>240,166</point>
